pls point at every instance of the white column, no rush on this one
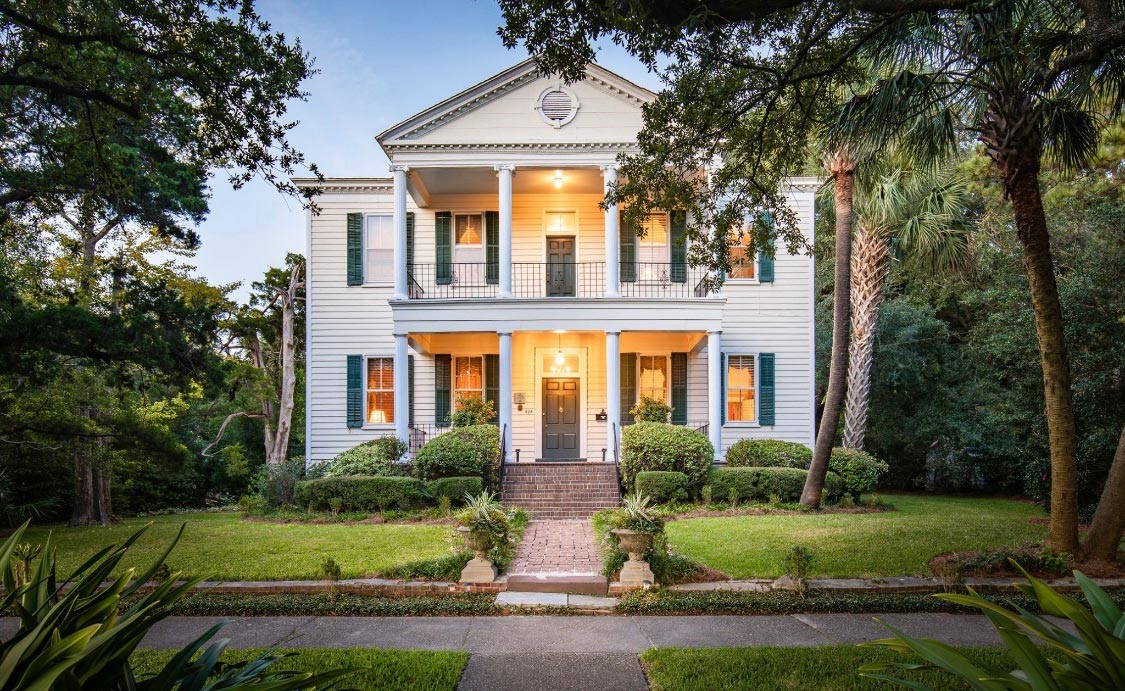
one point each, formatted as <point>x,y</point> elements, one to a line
<point>399,173</point>
<point>612,386</point>
<point>612,260</point>
<point>402,389</point>
<point>715,390</point>
<point>505,401</point>
<point>505,175</point>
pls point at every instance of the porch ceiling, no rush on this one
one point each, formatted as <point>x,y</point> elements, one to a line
<point>443,181</point>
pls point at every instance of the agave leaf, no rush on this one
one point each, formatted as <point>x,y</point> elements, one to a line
<point>147,575</point>
<point>1104,608</point>
<point>947,658</point>
<point>1035,671</point>
<point>917,686</point>
<point>58,651</point>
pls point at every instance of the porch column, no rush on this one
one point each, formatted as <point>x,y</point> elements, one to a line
<point>505,175</point>
<point>715,390</point>
<point>402,390</point>
<point>612,261</point>
<point>505,401</point>
<point>613,386</point>
<point>399,173</point>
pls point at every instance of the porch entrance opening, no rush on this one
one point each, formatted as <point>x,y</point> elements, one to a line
<point>561,275</point>
<point>561,425</point>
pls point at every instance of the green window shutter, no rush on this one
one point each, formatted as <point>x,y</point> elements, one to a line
<point>409,243</point>
<point>410,377</point>
<point>723,385</point>
<point>355,391</point>
<point>679,388</point>
<point>443,390</point>
<point>628,375</point>
<point>443,248</point>
<point>765,264</point>
<point>355,249</point>
<point>678,270</point>
<point>492,383</point>
<point>492,247</point>
<point>627,248</point>
<point>766,406</point>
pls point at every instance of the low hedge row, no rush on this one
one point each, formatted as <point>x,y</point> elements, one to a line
<point>663,486</point>
<point>455,488</point>
<point>335,604</point>
<point>859,470</point>
<point>760,484</point>
<point>381,493</point>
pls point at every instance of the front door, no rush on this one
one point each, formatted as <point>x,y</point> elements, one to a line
<point>561,269</point>
<point>561,427</point>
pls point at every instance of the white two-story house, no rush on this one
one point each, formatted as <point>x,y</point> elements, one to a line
<point>484,265</point>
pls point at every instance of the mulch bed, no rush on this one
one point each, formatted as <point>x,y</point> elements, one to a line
<point>984,564</point>
<point>374,519</point>
<point>761,511</point>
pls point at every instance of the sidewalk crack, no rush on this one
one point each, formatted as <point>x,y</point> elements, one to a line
<point>804,619</point>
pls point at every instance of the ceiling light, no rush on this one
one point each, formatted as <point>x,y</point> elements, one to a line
<point>558,179</point>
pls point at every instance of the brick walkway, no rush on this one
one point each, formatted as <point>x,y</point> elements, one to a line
<point>557,546</point>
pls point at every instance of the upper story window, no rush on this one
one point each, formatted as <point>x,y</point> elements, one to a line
<point>653,379</point>
<point>468,236</point>
<point>380,390</point>
<point>742,256</point>
<point>652,249</point>
<point>379,248</point>
<point>741,388</point>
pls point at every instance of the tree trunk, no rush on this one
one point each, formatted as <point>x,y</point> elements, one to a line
<point>1104,538</point>
<point>92,503</point>
<point>288,299</point>
<point>870,264</point>
<point>1022,184</point>
<point>841,165</point>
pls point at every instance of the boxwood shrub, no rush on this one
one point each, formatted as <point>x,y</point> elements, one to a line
<point>768,453</point>
<point>362,493</point>
<point>460,452</point>
<point>374,457</point>
<point>455,488</point>
<point>663,486</point>
<point>759,484</point>
<point>661,446</point>
<point>860,470</point>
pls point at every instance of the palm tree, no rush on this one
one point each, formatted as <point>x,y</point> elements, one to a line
<point>903,211</point>
<point>992,71</point>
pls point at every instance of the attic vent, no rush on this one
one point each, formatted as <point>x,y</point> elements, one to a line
<point>557,105</point>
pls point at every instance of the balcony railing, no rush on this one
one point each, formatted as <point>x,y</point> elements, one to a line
<point>554,279</point>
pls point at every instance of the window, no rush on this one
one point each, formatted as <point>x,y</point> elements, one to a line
<point>468,234</point>
<point>379,245</point>
<point>653,380</point>
<point>468,377</point>
<point>742,255</point>
<point>380,390</point>
<point>740,388</point>
<point>652,249</point>
<point>562,222</point>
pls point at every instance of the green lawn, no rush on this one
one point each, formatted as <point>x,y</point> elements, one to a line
<point>222,546</point>
<point>385,669</point>
<point>823,668</point>
<point>893,543</point>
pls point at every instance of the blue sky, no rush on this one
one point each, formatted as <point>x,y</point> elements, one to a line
<point>379,63</point>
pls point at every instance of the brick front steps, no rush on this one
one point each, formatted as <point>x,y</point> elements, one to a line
<point>573,584</point>
<point>561,490</point>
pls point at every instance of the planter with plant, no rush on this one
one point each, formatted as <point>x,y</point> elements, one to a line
<point>484,524</point>
<point>635,533</point>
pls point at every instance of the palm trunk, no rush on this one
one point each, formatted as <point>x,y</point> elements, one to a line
<point>870,255</point>
<point>842,167</point>
<point>1104,539</point>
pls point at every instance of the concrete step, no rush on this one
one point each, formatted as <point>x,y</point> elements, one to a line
<point>557,583</point>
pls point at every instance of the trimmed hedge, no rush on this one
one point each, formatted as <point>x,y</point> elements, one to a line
<point>461,452</point>
<point>759,484</point>
<point>661,446</point>
<point>860,470</point>
<point>374,457</point>
<point>663,486</point>
<point>362,493</point>
<point>768,453</point>
<point>455,488</point>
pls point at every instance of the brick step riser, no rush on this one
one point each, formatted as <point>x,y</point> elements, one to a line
<point>560,493</point>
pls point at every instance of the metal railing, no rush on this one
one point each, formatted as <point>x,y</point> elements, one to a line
<point>421,433</point>
<point>555,279</point>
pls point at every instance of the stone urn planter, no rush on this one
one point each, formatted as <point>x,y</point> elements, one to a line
<point>479,569</point>
<point>636,572</point>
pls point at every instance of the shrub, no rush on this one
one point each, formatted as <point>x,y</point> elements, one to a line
<point>760,484</point>
<point>473,410</point>
<point>461,452</point>
<point>660,446</point>
<point>768,453</point>
<point>362,493</point>
<point>375,457</point>
<point>798,561</point>
<point>667,568</point>
<point>455,489</point>
<point>276,483</point>
<point>860,470</point>
<point>651,410</point>
<point>663,485</point>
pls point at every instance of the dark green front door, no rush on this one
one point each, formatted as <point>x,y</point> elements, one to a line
<point>561,425</point>
<point>561,268</point>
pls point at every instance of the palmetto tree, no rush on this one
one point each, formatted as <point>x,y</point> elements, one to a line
<point>998,71</point>
<point>901,211</point>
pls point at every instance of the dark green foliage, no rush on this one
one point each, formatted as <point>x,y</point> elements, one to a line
<point>763,453</point>
<point>456,488</point>
<point>361,493</point>
<point>798,561</point>
<point>662,485</point>
<point>206,604</point>
<point>859,470</point>
<point>277,483</point>
<point>374,457</point>
<point>446,569</point>
<point>651,410</point>
<point>473,410</point>
<point>461,452</point>
<point>661,446</point>
<point>668,568</point>
<point>759,484</point>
